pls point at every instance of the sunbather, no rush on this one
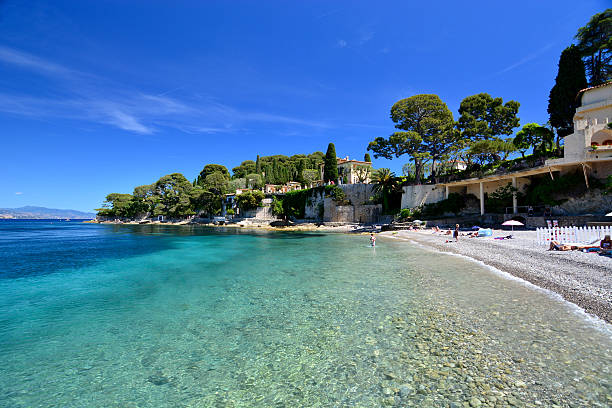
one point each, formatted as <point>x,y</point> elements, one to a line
<point>556,246</point>
<point>606,245</point>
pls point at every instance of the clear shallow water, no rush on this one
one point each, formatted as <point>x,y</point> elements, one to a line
<point>145,316</point>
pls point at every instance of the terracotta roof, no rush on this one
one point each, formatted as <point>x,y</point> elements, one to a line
<point>594,87</point>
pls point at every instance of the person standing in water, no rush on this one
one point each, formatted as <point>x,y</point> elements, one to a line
<point>372,240</point>
<point>456,233</point>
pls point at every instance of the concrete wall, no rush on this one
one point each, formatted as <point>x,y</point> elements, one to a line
<point>262,213</point>
<point>417,195</point>
<point>360,210</point>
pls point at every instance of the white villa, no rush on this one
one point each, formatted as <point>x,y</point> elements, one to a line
<point>352,171</point>
<point>588,149</point>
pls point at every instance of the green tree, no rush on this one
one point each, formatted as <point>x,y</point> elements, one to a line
<point>310,176</point>
<point>246,167</point>
<point>300,172</point>
<point>484,117</point>
<point>254,181</point>
<point>144,199</point>
<point>367,158</point>
<point>210,169</point>
<point>216,183</point>
<point>595,45</point>
<point>236,184</point>
<point>173,193</point>
<point>385,184</point>
<point>563,101</point>
<point>427,132</point>
<point>533,136</point>
<point>257,166</point>
<point>249,200</point>
<point>277,207</point>
<point>330,171</point>
<point>117,205</point>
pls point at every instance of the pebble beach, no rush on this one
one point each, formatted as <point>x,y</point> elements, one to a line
<point>584,279</point>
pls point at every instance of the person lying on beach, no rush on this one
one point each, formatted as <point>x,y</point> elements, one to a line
<point>556,246</point>
<point>506,237</point>
<point>606,245</point>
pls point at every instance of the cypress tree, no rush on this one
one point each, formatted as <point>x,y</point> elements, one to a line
<point>330,171</point>
<point>563,101</point>
<point>367,158</point>
<point>300,173</point>
<point>257,166</point>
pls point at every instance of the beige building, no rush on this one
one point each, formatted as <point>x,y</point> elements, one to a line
<point>282,189</point>
<point>588,149</point>
<point>352,171</point>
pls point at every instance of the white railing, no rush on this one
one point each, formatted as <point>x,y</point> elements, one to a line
<point>581,235</point>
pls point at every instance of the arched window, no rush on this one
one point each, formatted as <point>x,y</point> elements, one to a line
<point>607,142</point>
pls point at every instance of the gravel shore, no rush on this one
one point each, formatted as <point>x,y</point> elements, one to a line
<point>584,279</point>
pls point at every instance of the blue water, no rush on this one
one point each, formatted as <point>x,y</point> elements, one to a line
<point>178,316</point>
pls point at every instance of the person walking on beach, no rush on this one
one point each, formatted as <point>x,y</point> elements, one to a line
<point>372,240</point>
<point>456,233</point>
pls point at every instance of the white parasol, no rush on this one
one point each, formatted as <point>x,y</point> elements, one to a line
<point>513,223</point>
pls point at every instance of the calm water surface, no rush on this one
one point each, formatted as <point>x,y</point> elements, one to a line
<point>154,316</point>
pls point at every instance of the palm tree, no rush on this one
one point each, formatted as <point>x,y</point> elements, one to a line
<point>385,184</point>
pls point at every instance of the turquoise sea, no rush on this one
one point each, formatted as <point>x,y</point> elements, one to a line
<point>178,316</point>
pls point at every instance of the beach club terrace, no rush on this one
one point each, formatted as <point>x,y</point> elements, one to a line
<point>588,149</point>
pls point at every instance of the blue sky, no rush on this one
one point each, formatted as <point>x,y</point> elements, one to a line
<point>98,97</point>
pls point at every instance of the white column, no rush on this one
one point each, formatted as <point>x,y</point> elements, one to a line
<point>481,199</point>
<point>514,202</point>
<point>446,191</point>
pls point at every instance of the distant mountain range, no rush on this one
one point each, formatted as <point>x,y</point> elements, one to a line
<point>31,212</point>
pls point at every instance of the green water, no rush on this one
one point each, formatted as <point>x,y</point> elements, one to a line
<point>200,318</point>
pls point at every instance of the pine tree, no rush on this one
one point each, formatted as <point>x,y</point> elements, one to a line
<point>563,101</point>
<point>330,171</point>
<point>595,45</point>
<point>367,158</point>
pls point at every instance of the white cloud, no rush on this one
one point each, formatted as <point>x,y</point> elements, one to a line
<point>104,102</point>
<point>341,43</point>
<point>18,193</point>
<point>526,58</point>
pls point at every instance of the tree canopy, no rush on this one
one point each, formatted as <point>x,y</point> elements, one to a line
<point>563,101</point>
<point>427,131</point>
<point>533,136</point>
<point>330,171</point>
<point>595,46</point>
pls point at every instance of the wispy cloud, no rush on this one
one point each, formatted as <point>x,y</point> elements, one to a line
<point>527,58</point>
<point>107,103</point>
<point>18,193</point>
<point>25,60</point>
<point>341,43</point>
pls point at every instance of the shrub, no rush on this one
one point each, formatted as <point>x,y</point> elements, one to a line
<point>250,200</point>
<point>277,207</point>
<point>405,213</point>
<point>453,204</point>
<point>501,198</point>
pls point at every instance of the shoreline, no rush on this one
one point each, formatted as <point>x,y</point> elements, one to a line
<point>299,227</point>
<point>583,279</point>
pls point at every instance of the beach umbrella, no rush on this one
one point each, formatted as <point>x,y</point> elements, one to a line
<point>609,214</point>
<point>475,227</point>
<point>513,223</point>
<point>417,222</point>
